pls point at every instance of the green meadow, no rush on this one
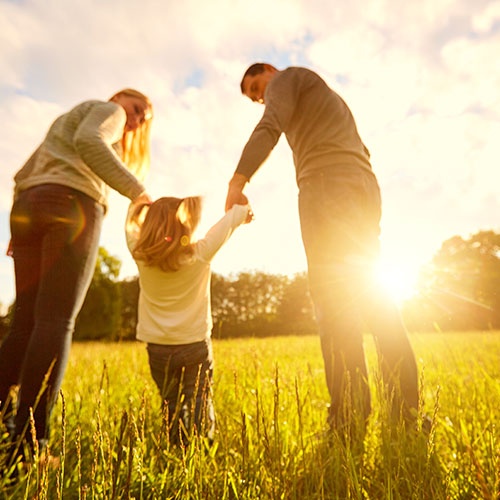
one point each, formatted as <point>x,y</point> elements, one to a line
<point>110,433</point>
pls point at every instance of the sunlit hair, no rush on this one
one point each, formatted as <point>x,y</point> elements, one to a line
<point>166,228</point>
<point>136,143</point>
<point>254,69</point>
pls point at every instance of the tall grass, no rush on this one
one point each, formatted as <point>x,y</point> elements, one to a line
<point>111,435</point>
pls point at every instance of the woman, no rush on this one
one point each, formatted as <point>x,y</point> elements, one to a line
<point>60,199</point>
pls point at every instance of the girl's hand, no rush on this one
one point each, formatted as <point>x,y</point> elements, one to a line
<point>250,216</point>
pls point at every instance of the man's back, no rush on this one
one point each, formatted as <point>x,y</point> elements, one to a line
<point>318,124</point>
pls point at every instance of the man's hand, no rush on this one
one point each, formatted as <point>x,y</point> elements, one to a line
<point>235,194</point>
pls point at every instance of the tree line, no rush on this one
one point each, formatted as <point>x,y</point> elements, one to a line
<point>458,290</point>
<point>248,304</point>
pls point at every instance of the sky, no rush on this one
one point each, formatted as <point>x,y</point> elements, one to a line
<point>421,78</point>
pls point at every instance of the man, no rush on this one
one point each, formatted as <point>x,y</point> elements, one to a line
<point>340,209</point>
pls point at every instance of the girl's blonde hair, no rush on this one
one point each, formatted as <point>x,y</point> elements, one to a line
<point>136,151</point>
<point>166,231</point>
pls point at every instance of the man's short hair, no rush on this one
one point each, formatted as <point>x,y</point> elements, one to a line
<point>254,69</point>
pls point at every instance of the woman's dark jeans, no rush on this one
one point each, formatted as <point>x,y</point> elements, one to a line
<point>55,238</point>
<point>183,374</point>
<point>340,211</point>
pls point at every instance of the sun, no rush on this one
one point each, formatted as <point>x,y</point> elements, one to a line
<point>398,279</point>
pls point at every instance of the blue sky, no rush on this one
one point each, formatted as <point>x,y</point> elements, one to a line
<point>421,78</point>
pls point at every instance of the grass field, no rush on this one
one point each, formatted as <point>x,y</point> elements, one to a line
<point>271,398</point>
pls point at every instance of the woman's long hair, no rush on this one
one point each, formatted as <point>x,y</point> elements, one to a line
<point>136,152</point>
<point>166,231</point>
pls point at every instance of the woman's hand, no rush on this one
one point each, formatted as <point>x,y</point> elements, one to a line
<point>143,199</point>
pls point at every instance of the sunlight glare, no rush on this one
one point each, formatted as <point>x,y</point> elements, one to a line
<point>398,280</point>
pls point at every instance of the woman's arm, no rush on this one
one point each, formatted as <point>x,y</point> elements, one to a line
<point>99,130</point>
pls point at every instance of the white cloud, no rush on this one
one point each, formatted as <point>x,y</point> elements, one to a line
<point>25,123</point>
<point>486,20</point>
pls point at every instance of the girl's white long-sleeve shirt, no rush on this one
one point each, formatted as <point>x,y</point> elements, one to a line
<point>174,306</point>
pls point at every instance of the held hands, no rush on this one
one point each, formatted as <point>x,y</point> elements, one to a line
<point>143,199</point>
<point>250,216</point>
<point>235,195</point>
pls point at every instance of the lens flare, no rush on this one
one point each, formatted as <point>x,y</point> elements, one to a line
<point>398,280</point>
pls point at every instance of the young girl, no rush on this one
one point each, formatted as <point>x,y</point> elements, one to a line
<point>174,304</point>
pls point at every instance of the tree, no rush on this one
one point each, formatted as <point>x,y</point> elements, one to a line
<point>461,291</point>
<point>100,316</point>
<point>246,304</point>
<point>295,315</point>
<point>130,299</point>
